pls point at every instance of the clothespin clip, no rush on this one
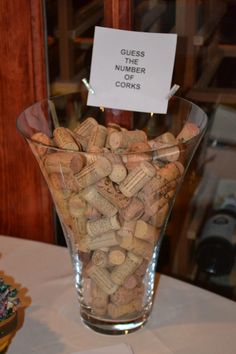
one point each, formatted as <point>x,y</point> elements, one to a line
<point>173,90</point>
<point>88,86</point>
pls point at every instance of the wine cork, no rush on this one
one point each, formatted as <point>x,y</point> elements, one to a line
<point>142,248</point>
<point>60,193</point>
<point>107,239</point>
<point>146,232</point>
<point>142,147</point>
<point>85,128</point>
<point>165,138</point>
<point>97,152</point>
<point>133,210</point>
<point>125,242</point>
<point>76,205</point>
<point>119,171</point>
<point>134,160</point>
<point>58,162</point>
<point>155,206</point>
<point>142,269</point>
<point>117,140</point>
<point>57,181</point>
<point>113,157</point>
<point>63,182</point>
<point>136,153</point>
<point>123,295</point>
<point>81,241</point>
<point>93,155</point>
<point>127,228</point>
<point>156,195</point>
<point>97,201</point>
<point>61,204</point>
<point>64,140</point>
<point>165,179</point>
<point>103,225</point>
<point>77,163</point>
<point>159,218</point>
<point>158,165</point>
<point>172,170</point>
<point>150,190</point>
<point>180,167</point>
<point>106,249</point>
<point>116,311</point>
<point>120,140</point>
<point>167,152</point>
<point>43,139</point>
<point>107,189</point>
<point>102,278</point>
<point>165,175</point>
<point>80,141</point>
<point>87,291</point>
<point>130,282</point>
<point>94,172</point>
<point>188,131</point>
<point>114,126</point>
<point>70,183</point>
<point>100,258</point>
<point>137,178</point>
<point>99,297</point>
<point>91,213</point>
<point>116,255</point>
<point>121,272</point>
<point>168,187</point>
<point>145,217</point>
<point>97,137</point>
<point>80,224</point>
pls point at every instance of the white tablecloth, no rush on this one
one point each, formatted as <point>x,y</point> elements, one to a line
<point>185,319</point>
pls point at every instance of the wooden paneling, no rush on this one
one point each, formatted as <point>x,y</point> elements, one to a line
<point>119,14</point>
<point>66,51</point>
<point>186,25</point>
<point>25,205</point>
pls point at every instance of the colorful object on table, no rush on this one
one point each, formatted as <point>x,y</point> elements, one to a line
<point>8,301</point>
<point>8,313</point>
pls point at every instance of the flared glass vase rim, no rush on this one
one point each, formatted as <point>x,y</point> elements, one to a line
<point>122,153</point>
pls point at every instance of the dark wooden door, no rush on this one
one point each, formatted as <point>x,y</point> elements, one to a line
<point>25,204</point>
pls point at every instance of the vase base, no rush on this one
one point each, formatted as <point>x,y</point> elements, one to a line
<point>114,327</point>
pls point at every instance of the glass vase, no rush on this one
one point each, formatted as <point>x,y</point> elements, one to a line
<point>113,182</point>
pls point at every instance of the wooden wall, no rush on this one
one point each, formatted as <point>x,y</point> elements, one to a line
<point>25,204</point>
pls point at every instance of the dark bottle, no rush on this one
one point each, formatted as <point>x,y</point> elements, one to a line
<point>215,252</point>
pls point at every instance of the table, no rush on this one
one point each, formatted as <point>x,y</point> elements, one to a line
<point>185,319</point>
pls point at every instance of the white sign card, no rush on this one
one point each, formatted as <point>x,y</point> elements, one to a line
<point>131,70</point>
